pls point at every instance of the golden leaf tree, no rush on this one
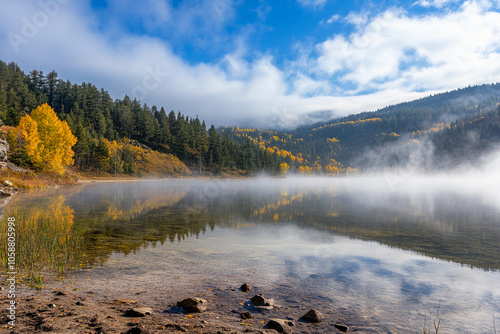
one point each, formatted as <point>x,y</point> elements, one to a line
<point>47,141</point>
<point>28,131</point>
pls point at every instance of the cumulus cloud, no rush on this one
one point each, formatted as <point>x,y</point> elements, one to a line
<point>395,49</point>
<point>393,55</point>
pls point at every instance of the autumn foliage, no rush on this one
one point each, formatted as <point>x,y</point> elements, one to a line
<point>43,140</point>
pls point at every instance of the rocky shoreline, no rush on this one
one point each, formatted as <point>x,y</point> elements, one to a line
<point>66,310</point>
<point>75,308</point>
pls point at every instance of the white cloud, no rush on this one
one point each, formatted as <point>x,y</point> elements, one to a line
<point>331,19</point>
<point>312,3</point>
<point>394,49</point>
<point>357,19</point>
<point>434,3</point>
<point>453,50</point>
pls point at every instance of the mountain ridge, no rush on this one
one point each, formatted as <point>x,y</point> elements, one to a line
<point>439,131</point>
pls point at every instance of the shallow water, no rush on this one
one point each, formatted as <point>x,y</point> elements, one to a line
<point>378,254</point>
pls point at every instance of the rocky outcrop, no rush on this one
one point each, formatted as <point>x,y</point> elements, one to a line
<point>15,168</point>
<point>4,150</point>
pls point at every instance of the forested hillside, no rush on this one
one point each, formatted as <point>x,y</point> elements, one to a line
<point>125,136</point>
<point>440,131</point>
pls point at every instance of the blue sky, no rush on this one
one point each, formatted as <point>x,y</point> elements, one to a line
<point>259,63</point>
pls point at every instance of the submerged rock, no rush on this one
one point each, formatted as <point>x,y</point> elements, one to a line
<point>280,325</point>
<point>245,287</point>
<point>192,305</point>
<point>341,327</point>
<point>246,315</point>
<point>313,316</point>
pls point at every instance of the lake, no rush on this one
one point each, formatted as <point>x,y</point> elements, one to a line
<point>381,254</point>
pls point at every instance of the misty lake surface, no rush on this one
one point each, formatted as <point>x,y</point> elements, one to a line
<point>380,254</point>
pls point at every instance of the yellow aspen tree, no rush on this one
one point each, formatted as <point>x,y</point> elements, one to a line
<point>55,140</point>
<point>28,130</point>
<point>284,168</point>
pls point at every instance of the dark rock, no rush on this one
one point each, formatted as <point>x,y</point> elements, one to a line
<point>61,293</point>
<point>341,327</point>
<point>259,300</point>
<point>245,287</point>
<point>79,303</point>
<point>136,330</point>
<point>94,321</point>
<point>313,316</point>
<point>52,305</point>
<point>280,325</point>
<point>192,305</point>
<point>138,312</point>
<point>246,315</point>
<point>5,193</point>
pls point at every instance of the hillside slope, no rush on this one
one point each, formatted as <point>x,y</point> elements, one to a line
<point>107,129</point>
<point>456,126</point>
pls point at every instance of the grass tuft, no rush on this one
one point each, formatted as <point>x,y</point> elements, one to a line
<point>437,323</point>
<point>47,243</point>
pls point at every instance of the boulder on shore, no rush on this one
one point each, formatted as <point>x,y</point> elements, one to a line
<point>245,287</point>
<point>193,305</point>
<point>138,312</point>
<point>313,316</point>
<point>280,325</point>
<point>259,301</point>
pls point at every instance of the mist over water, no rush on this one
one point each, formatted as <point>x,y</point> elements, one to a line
<point>380,251</point>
